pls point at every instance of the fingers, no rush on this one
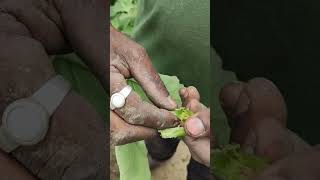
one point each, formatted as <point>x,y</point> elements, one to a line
<point>123,133</point>
<point>302,165</point>
<point>272,146</point>
<point>138,112</point>
<point>188,94</point>
<point>85,28</point>
<point>198,125</point>
<point>150,81</point>
<point>137,64</point>
<point>247,103</point>
<point>199,149</point>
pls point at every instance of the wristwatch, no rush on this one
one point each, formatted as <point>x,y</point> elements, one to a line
<point>26,121</point>
<point>118,99</point>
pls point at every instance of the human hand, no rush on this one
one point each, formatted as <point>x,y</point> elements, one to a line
<point>257,115</point>
<point>130,60</point>
<point>197,127</point>
<point>30,31</point>
<point>76,138</point>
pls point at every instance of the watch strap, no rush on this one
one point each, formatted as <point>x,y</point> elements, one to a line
<point>6,143</point>
<point>51,94</point>
<point>126,91</point>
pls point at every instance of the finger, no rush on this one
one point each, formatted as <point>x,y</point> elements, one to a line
<point>229,97</point>
<point>188,94</point>
<point>141,69</point>
<point>190,99</point>
<point>272,146</point>
<point>137,112</point>
<point>123,133</point>
<point>199,149</point>
<point>247,103</point>
<point>198,126</point>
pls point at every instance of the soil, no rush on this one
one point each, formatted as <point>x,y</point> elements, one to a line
<point>173,169</point>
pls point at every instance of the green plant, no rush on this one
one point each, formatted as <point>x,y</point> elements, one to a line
<point>123,14</point>
<point>182,114</point>
<point>229,163</point>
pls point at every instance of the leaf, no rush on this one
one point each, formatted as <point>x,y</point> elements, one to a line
<point>123,14</point>
<point>132,158</point>
<point>175,132</point>
<point>229,163</point>
<point>182,114</point>
<point>133,162</point>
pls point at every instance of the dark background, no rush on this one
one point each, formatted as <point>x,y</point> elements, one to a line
<point>279,40</point>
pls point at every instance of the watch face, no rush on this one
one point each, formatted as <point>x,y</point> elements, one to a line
<point>118,100</point>
<point>26,121</point>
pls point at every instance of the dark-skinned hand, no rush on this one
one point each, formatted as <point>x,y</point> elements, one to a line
<point>30,31</point>
<point>137,120</point>
<point>257,115</point>
<point>197,127</point>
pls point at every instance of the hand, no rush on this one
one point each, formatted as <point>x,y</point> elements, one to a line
<point>254,110</point>
<point>128,59</point>
<point>74,147</point>
<point>303,165</point>
<point>197,127</point>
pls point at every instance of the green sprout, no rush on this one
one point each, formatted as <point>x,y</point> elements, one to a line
<point>177,132</point>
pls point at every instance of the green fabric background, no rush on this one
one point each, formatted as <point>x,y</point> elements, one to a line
<point>176,35</point>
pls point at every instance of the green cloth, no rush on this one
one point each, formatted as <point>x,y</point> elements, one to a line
<point>176,35</point>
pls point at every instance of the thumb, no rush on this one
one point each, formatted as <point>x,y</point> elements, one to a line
<point>199,125</point>
<point>268,139</point>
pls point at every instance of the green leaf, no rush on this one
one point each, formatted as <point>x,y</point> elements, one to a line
<point>182,114</point>
<point>133,162</point>
<point>123,14</point>
<point>175,132</point>
<point>229,163</point>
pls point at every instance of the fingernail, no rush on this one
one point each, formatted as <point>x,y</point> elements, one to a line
<point>242,105</point>
<point>195,126</point>
<point>172,103</point>
<point>183,91</point>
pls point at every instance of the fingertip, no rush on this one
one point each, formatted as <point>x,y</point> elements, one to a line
<point>194,127</point>
<point>168,120</point>
<point>171,103</point>
<point>182,91</point>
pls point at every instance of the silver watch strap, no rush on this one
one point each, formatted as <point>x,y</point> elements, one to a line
<point>126,91</point>
<point>51,94</point>
<point>6,143</point>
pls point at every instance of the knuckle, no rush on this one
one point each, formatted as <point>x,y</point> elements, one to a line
<point>139,53</point>
<point>193,104</point>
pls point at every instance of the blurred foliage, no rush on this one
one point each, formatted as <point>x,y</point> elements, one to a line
<point>229,163</point>
<point>123,14</point>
